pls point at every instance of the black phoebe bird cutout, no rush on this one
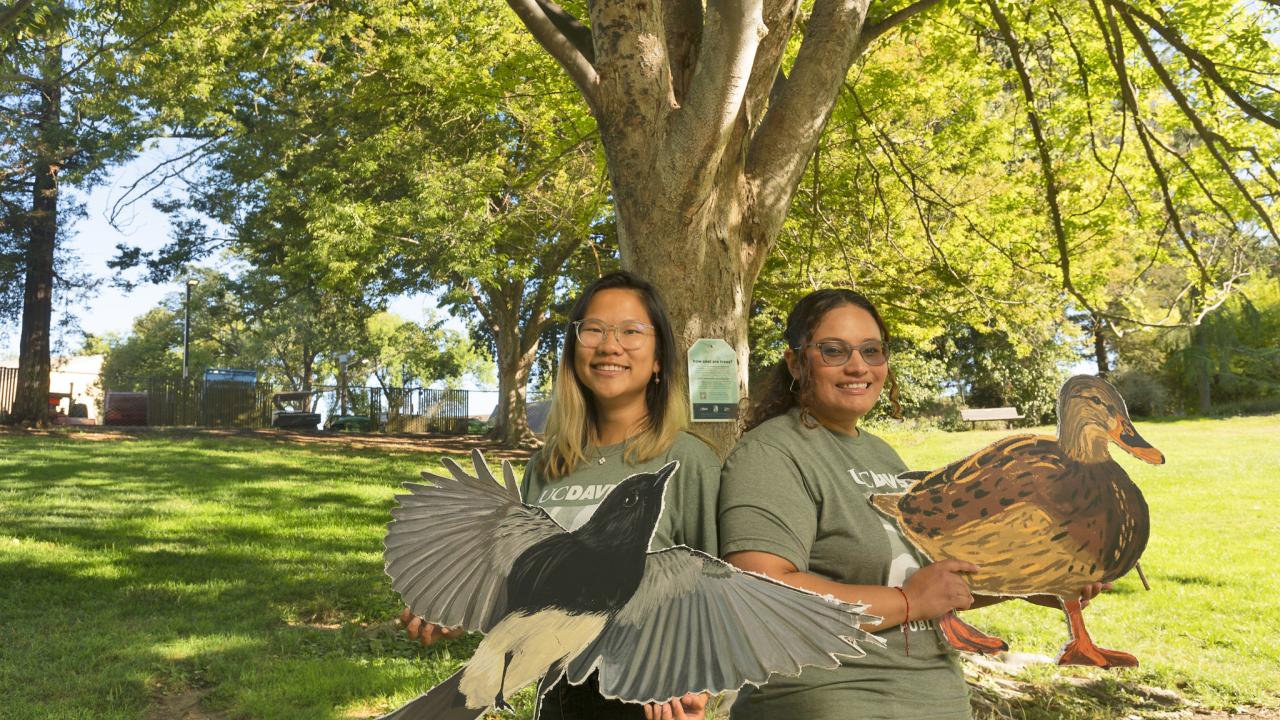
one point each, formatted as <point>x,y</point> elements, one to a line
<point>464,551</point>
<point>1038,514</point>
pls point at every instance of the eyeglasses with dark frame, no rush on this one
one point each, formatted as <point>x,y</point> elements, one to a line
<point>838,352</point>
<point>630,333</point>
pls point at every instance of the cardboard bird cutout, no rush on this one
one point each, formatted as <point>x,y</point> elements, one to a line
<point>464,551</point>
<point>1040,515</point>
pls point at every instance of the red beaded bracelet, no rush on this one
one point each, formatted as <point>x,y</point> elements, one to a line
<point>906,631</point>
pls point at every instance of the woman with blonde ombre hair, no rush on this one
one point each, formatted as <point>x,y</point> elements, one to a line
<point>619,407</point>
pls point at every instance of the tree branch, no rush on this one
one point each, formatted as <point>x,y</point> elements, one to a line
<point>790,130</point>
<point>1115,52</point>
<point>1199,61</point>
<point>548,23</point>
<point>571,28</point>
<point>873,31</point>
<point>1209,138</point>
<point>1042,150</point>
<point>701,127</point>
<point>129,197</point>
<point>1113,176</point>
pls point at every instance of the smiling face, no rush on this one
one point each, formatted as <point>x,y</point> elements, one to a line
<point>840,395</point>
<point>617,377</point>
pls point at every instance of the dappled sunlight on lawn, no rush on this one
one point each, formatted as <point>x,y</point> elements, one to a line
<point>250,574</point>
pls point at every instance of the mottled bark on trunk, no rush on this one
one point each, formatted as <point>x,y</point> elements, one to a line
<point>1100,348</point>
<point>31,403</point>
<point>706,280</point>
<point>511,421</point>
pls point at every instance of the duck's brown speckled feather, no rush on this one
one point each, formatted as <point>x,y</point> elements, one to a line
<point>1048,522</point>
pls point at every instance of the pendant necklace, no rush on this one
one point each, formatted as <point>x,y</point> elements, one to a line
<point>602,457</point>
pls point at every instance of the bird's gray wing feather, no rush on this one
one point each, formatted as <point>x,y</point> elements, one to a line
<point>697,624</point>
<point>452,543</point>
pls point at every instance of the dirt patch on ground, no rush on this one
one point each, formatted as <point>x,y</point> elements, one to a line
<point>389,442</point>
<point>181,705</point>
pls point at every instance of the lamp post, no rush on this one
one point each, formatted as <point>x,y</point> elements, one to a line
<point>186,330</point>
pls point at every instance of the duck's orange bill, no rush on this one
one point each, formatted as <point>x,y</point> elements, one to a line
<point>1126,436</point>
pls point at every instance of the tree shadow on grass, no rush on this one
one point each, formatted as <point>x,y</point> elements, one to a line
<point>994,697</point>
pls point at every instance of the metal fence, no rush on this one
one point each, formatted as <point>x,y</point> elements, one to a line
<point>8,388</point>
<point>197,402</point>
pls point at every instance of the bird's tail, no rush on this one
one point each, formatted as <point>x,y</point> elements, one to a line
<point>887,503</point>
<point>442,702</point>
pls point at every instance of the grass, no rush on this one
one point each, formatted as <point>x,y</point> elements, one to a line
<point>135,571</point>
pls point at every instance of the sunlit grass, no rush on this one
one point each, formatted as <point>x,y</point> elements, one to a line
<point>252,572</point>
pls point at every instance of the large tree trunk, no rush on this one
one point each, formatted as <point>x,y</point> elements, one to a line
<point>706,278</point>
<point>31,404</point>
<point>706,140</point>
<point>516,353</point>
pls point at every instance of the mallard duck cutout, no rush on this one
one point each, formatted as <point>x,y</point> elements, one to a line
<point>1040,515</point>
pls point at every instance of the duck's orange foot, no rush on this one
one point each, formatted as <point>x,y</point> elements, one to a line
<point>967,638</point>
<point>1086,653</point>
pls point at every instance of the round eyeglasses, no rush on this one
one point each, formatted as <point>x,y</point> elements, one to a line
<point>838,352</point>
<point>630,334</point>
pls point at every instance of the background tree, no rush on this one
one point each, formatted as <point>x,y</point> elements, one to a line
<point>392,148</point>
<point>68,111</point>
<point>291,336</point>
<point>402,353</point>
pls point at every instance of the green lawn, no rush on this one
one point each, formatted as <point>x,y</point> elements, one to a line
<point>134,572</point>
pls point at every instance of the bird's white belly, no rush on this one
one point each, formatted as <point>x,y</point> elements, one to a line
<point>535,642</point>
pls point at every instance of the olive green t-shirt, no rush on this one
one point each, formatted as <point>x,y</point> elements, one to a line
<point>689,505</point>
<point>801,493</point>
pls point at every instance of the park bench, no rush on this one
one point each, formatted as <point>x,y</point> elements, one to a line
<point>973,416</point>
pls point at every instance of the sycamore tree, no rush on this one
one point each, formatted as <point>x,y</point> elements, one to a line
<point>710,112</point>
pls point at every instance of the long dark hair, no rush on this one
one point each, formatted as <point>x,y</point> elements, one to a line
<point>782,391</point>
<point>573,417</point>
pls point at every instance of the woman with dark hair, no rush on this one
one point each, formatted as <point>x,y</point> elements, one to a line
<point>793,506</point>
<point>620,407</point>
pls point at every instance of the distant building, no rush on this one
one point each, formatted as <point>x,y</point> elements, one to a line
<point>536,412</point>
<point>77,379</point>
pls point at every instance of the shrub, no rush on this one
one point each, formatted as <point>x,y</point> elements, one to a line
<point>1144,394</point>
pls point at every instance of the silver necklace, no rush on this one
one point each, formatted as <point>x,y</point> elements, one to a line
<point>602,458</point>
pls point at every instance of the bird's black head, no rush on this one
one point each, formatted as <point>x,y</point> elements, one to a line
<point>629,513</point>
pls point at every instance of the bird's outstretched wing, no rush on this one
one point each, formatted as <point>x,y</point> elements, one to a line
<point>452,543</point>
<point>695,624</point>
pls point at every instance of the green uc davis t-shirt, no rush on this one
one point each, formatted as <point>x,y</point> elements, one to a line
<point>689,505</point>
<point>801,493</point>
